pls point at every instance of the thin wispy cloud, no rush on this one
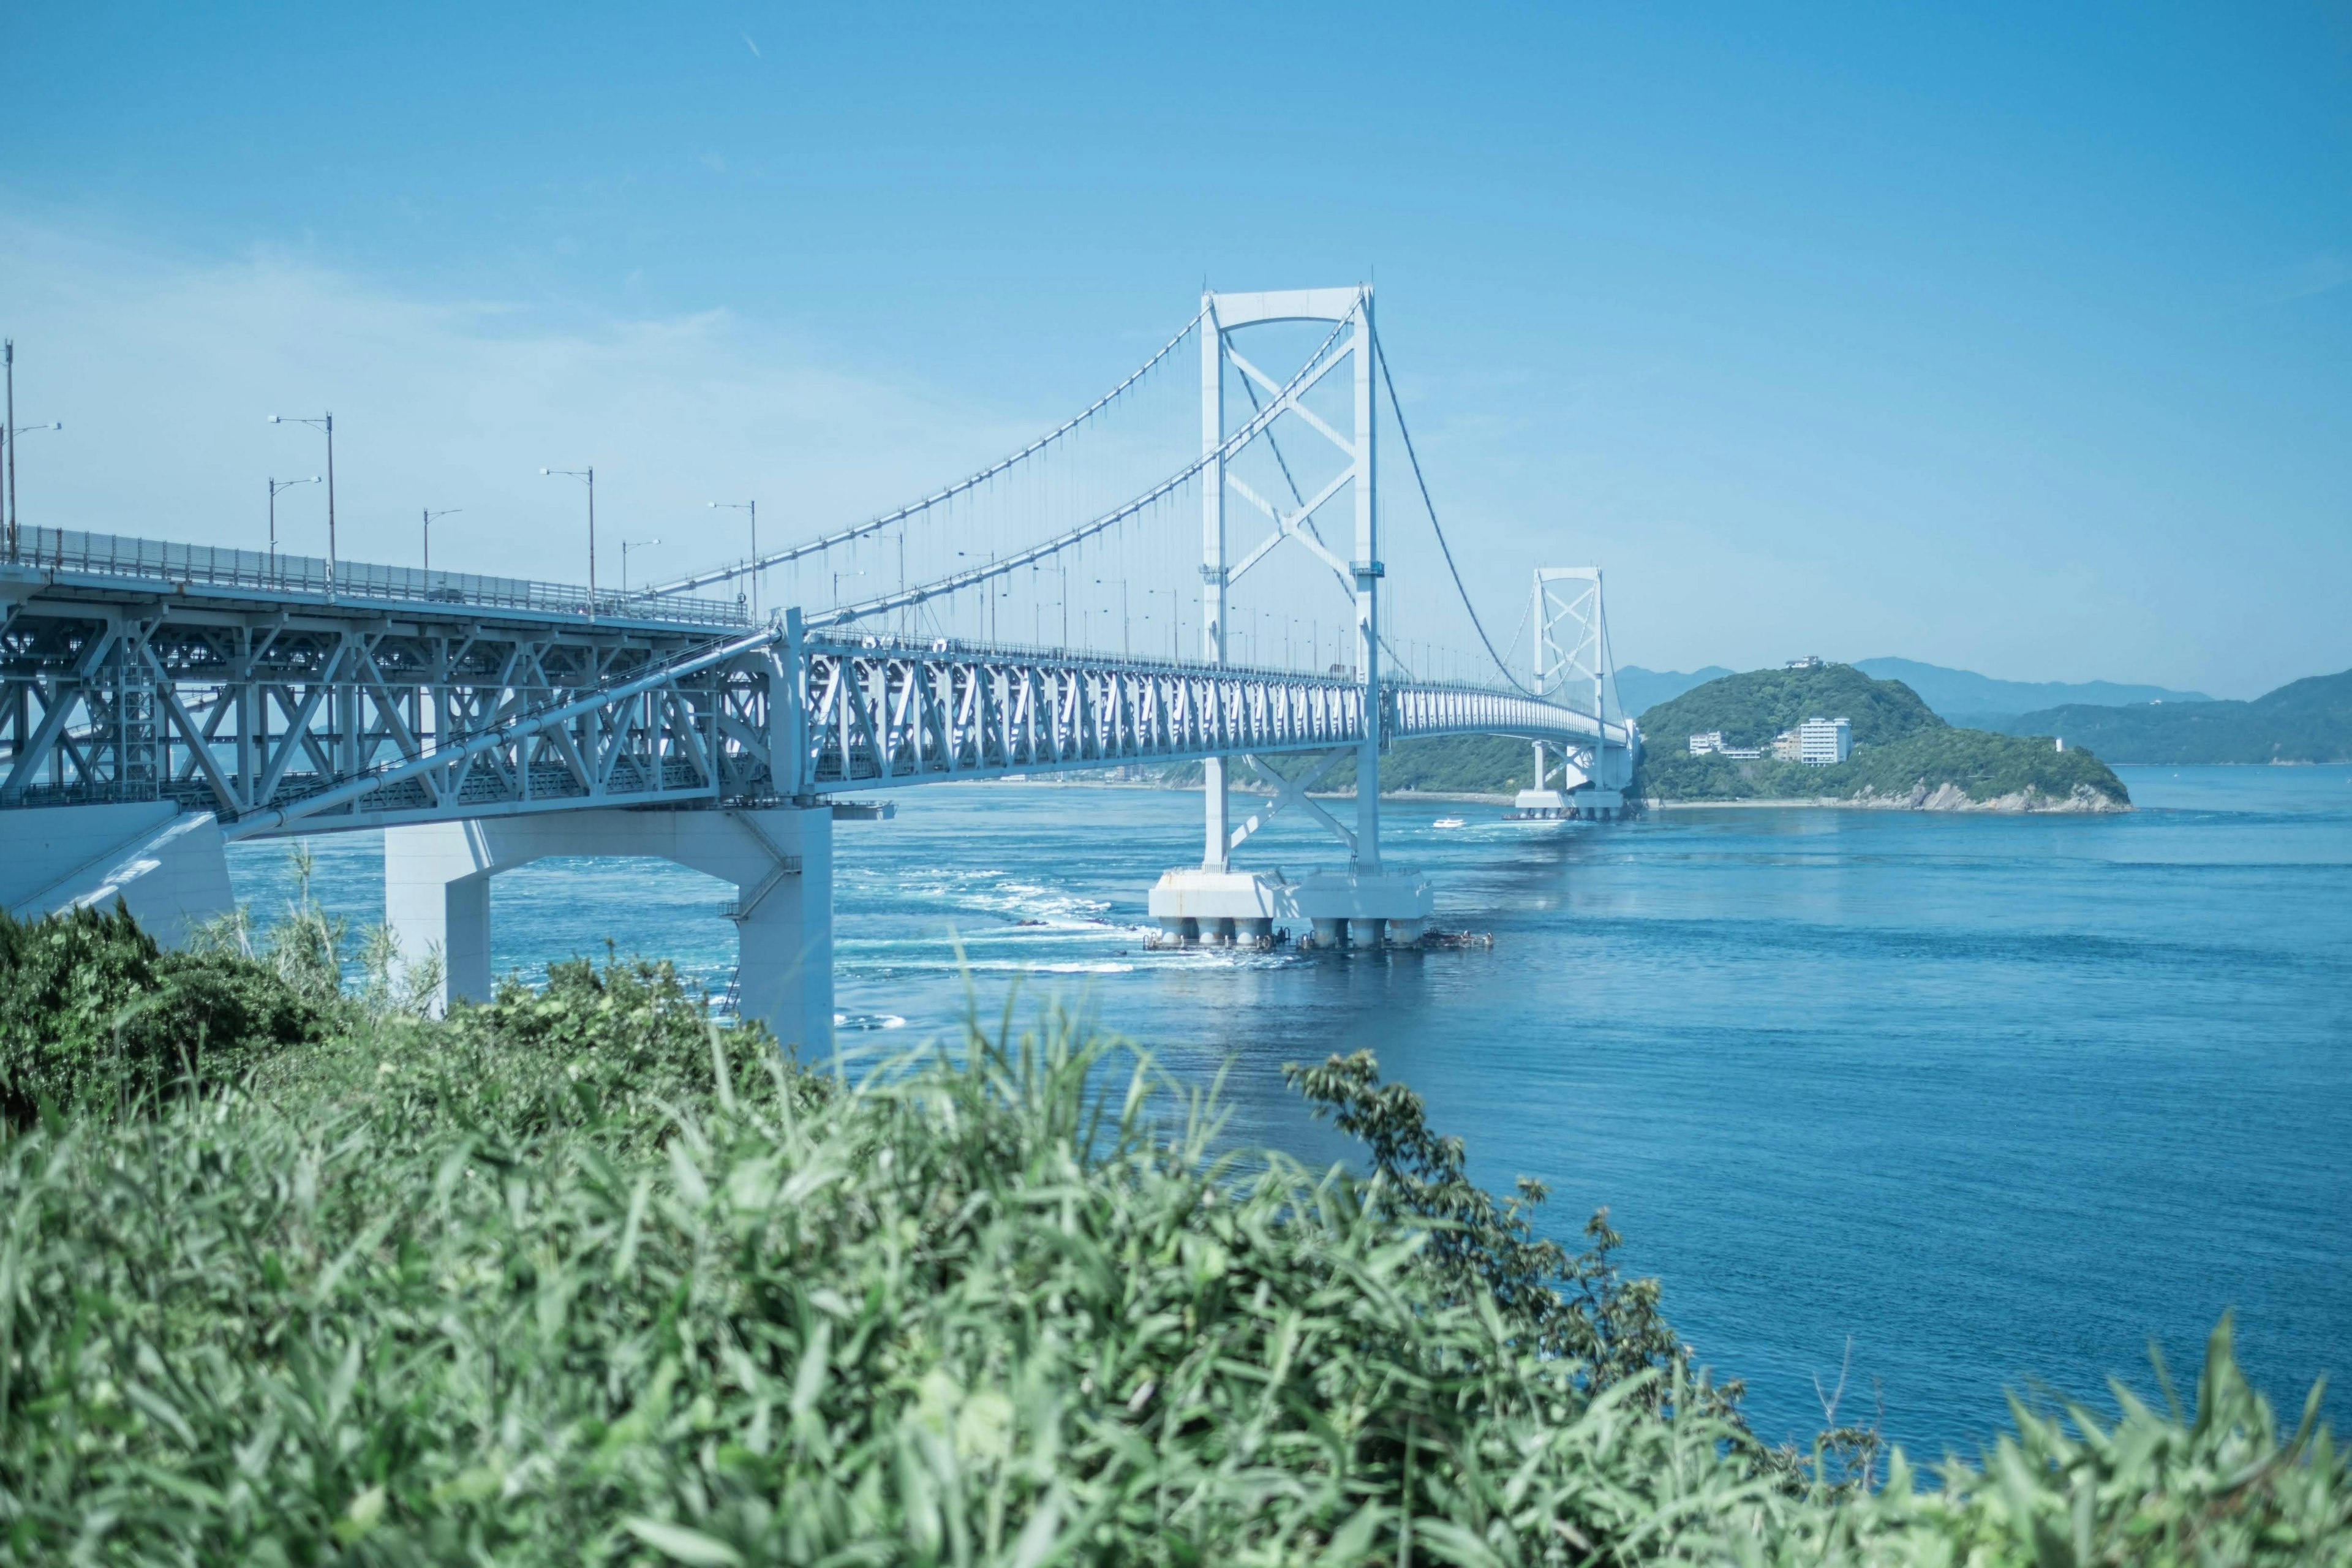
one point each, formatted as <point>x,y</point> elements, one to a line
<point>164,371</point>
<point>2314,275</point>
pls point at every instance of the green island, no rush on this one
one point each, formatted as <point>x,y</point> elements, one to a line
<point>291,1273</point>
<point>1902,755</point>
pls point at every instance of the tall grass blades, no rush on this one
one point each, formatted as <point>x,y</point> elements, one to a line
<point>573,1278</point>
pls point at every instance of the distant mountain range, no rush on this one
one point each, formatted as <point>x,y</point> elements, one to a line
<point>1960,696</point>
<point>2308,720</point>
<point>1956,696</point>
<point>1642,690</point>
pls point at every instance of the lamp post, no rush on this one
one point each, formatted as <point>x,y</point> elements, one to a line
<point>9,431</point>
<point>429,516</point>
<point>627,545</point>
<point>324,422</point>
<point>1149,595</point>
<point>589,476</point>
<point>275,486</point>
<point>751,507</point>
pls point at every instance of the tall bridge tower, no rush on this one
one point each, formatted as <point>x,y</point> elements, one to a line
<point>1366,905</point>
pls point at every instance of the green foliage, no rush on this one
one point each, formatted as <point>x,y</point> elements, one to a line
<point>2308,720</point>
<point>1981,766</point>
<point>1750,709</point>
<point>90,1007</point>
<point>1902,752</point>
<point>573,1278</point>
<point>1480,1249</point>
<point>1452,764</point>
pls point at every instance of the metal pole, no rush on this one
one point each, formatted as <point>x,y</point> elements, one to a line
<point>428,538</point>
<point>591,542</point>
<point>753,506</point>
<point>1216,841</point>
<point>10,352</point>
<point>1368,574</point>
<point>330,503</point>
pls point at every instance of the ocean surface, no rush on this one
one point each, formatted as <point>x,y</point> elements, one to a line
<point>1959,1103</point>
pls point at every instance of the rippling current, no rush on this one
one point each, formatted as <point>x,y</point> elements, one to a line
<point>1994,1100</point>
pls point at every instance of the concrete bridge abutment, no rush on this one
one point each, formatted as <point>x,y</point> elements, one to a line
<point>437,894</point>
<point>166,865</point>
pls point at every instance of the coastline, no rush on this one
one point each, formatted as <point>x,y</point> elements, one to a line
<point>2083,802</point>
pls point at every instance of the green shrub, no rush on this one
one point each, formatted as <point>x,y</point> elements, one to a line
<point>422,1302</point>
<point>90,1007</point>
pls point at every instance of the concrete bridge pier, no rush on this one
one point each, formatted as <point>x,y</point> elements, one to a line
<point>166,865</point>
<point>437,893</point>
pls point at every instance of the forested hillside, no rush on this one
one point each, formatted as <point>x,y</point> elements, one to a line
<point>1903,753</point>
<point>2309,720</point>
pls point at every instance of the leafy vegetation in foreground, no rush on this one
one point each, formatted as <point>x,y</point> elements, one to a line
<point>1902,750</point>
<point>573,1279</point>
<point>88,1003</point>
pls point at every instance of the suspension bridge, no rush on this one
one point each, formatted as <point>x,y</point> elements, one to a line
<point>159,701</point>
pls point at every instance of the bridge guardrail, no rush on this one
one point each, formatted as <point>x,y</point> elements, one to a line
<point>123,555</point>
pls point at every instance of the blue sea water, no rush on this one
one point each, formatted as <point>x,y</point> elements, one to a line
<point>1992,1100</point>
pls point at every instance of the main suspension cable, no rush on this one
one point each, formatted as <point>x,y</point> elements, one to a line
<point>818,546</point>
<point>956,581</point>
<point>1431,507</point>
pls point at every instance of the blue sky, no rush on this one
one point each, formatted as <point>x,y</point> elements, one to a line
<point>2015,338</point>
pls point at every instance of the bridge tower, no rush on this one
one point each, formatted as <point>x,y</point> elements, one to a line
<point>1571,664</point>
<point>1367,906</point>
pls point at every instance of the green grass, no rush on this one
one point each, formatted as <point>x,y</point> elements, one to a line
<point>572,1277</point>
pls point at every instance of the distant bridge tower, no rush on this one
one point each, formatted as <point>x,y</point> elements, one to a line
<point>1571,665</point>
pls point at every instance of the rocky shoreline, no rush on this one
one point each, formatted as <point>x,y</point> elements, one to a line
<point>1946,796</point>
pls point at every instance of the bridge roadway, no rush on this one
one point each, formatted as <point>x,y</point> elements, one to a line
<point>158,699</point>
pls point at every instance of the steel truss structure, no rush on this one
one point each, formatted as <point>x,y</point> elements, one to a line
<point>312,715</point>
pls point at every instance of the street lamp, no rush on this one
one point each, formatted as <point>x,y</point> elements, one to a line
<point>324,422</point>
<point>754,508</point>
<point>429,516</point>
<point>9,431</point>
<point>275,486</point>
<point>589,474</point>
<point>627,545</point>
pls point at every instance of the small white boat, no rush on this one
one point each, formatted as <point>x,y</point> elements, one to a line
<point>1450,822</point>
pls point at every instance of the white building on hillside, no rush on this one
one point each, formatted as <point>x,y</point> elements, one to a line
<point>1823,743</point>
<point>1700,745</point>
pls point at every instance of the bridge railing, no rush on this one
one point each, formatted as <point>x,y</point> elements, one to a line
<point>121,555</point>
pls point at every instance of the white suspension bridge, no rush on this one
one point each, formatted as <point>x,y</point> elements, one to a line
<point>158,700</point>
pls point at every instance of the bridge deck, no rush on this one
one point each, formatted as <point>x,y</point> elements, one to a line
<point>235,682</point>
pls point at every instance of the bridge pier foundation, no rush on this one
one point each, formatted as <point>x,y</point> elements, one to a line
<point>164,863</point>
<point>437,894</point>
